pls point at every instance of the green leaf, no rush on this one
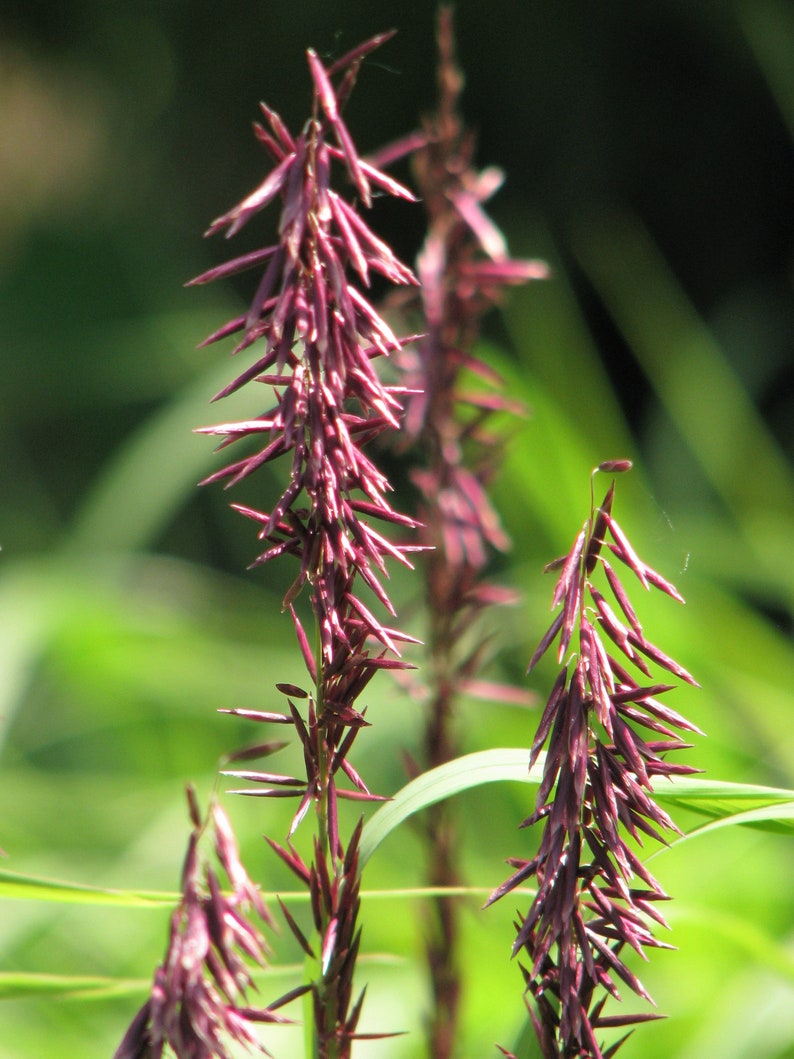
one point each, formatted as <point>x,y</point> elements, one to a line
<point>778,817</point>
<point>473,770</point>
<point>17,984</point>
<point>33,888</point>
<point>718,799</point>
<point>726,803</point>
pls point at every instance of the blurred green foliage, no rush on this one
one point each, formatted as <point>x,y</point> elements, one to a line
<point>649,153</point>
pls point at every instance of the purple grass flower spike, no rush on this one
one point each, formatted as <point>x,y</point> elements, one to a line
<point>198,1004</point>
<point>463,268</point>
<point>317,337</point>
<point>320,336</point>
<point>608,738</point>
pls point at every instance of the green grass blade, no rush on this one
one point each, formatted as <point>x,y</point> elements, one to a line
<point>705,794</point>
<point>726,803</point>
<point>15,886</point>
<point>16,985</point>
<point>778,817</point>
<point>472,770</point>
<point>716,798</point>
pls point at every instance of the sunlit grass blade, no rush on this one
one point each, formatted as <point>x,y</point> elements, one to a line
<point>472,770</point>
<point>758,806</point>
<point>16,985</point>
<point>19,887</point>
<point>778,817</point>
<point>717,798</point>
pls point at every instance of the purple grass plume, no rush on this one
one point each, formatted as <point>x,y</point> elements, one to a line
<point>464,268</point>
<point>199,1002</point>
<point>320,336</point>
<point>608,738</point>
<point>316,337</point>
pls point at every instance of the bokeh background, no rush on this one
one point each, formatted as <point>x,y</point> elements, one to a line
<point>649,153</point>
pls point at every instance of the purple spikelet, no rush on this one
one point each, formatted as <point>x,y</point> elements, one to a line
<point>464,267</point>
<point>199,1000</point>
<point>317,337</point>
<point>608,737</point>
